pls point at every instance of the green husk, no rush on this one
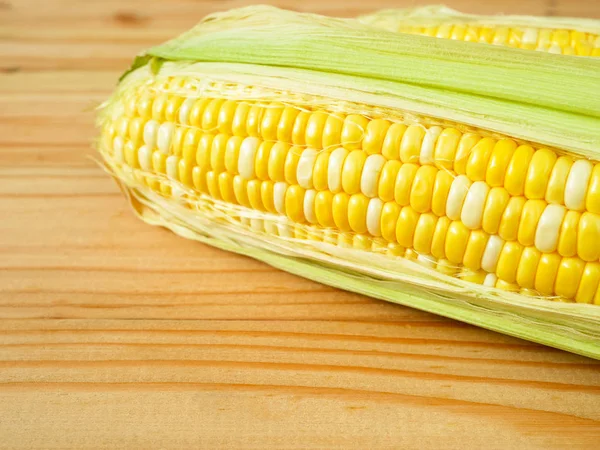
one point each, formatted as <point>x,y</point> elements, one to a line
<point>537,96</point>
<point>434,15</point>
<point>532,96</point>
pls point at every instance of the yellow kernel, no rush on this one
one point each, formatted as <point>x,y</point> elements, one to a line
<point>232,154</point>
<point>340,211</point>
<point>404,181</point>
<point>406,225</point>
<point>474,251</point>
<point>493,211</point>
<point>393,139</point>
<point>438,244</point>
<point>422,189</point>
<point>217,152</point>
<point>387,180</point>
<point>203,151</point>
<point>478,159</point>
<point>441,189</point>
<point>593,193</point>
<point>588,287</point>
<point>324,208</point>
<point>509,224</point>
<point>332,132</point>
<point>465,145</point>
<point>538,173</point>
<point>270,121</point>
<point>389,218</point>
<point>499,161</point>
<point>547,270</point>
<point>375,135</point>
<point>320,171</point>
<point>555,192</point>
<point>238,126</point>
<point>353,131</point>
<point>527,267</point>
<point>294,203</point>
<point>261,161</point>
<point>267,197</point>
<point>456,242</point>
<point>508,261</point>
<point>424,233</point>
<point>314,129</point>
<point>530,216</point>
<point>226,115</point>
<point>286,124</point>
<point>514,181</point>
<point>357,212</point>
<point>352,171</point>
<point>299,130</point>
<point>410,147</point>
<point>588,237</point>
<point>567,238</point>
<point>240,189</point>
<point>226,187</point>
<point>277,161</point>
<point>568,277</point>
<point>291,165</point>
<point>445,148</point>
<point>199,179</point>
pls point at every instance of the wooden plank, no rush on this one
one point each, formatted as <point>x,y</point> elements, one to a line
<point>114,334</point>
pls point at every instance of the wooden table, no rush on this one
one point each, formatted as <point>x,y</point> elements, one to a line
<point>117,334</point>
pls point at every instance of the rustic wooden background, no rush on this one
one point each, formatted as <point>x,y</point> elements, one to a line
<point>114,334</point>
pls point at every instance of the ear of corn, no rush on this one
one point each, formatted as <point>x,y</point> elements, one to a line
<point>576,37</point>
<point>268,144</point>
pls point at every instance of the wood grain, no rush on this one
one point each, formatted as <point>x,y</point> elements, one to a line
<point>114,334</point>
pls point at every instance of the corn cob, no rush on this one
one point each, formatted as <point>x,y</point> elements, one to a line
<point>528,33</point>
<point>275,161</point>
<point>465,200</point>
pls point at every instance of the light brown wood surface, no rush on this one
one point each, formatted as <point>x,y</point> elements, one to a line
<point>115,334</point>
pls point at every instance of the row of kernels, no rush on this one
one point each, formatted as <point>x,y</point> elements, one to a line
<point>550,227</point>
<point>568,42</point>
<point>536,174</point>
<point>549,273</point>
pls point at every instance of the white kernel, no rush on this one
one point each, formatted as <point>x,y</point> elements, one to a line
<point>145,158</point>
<point>334,169</point>
<point>491,254</point>
<point>456,197</point>
<point>164,136</point>
<point>118,145</point>
<point>374,216</point>
<point>472,211</point>
<point>555,48</point>
<point>306,164</point>
<point>279,190</point>
<point>370,174</point>
<point>428,145</point>
<point>309,206</point>
<point>185,109</point>
<point>246,157</point>
<point>150,132</point>
<point>490,280</point>
<point>577,183</point>
<point>172,164</point>
<point>530,36</point>
<point>548,228</point>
